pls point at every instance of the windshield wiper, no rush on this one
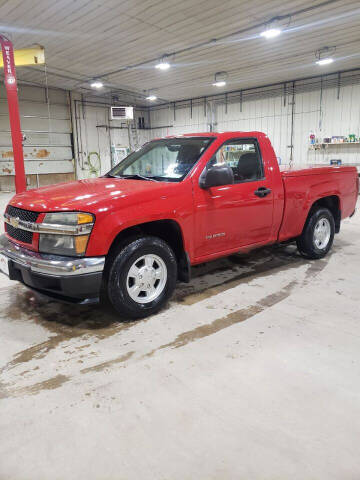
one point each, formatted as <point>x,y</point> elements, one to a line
<point>141,177</point>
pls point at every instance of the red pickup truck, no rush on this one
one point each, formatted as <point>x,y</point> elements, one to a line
<point>176,202</point>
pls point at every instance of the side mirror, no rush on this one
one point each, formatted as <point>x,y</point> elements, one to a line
<point>216,176</point>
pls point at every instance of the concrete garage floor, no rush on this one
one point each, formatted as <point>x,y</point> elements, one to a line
<point>252,372</point>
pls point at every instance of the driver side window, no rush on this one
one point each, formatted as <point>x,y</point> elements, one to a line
<point>243,157</point>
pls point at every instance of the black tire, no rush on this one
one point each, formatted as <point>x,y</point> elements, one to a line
<point>306,243</point>
<point>117,277</point>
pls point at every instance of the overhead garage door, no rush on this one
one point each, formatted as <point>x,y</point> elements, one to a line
<point>45,120</point>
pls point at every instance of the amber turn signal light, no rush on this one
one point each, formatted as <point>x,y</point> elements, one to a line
<point>81,243</point>
<point>85,218</point>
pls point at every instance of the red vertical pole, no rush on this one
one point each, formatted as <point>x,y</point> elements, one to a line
<point>14,115</point>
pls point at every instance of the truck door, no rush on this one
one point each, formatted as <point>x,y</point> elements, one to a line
<point>237,215</point>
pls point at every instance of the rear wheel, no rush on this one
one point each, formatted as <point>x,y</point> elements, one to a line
<point>318,234</point>
<point>142,277</point>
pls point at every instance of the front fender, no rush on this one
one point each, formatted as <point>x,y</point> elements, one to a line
<point>108,226</point>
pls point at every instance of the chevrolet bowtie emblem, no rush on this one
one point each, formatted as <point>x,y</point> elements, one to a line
<point>14,222</point>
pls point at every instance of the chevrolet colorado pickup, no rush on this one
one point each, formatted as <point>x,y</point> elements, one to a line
<point>176,202</point>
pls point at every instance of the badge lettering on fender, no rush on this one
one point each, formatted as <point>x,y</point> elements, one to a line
<point>215,235</point>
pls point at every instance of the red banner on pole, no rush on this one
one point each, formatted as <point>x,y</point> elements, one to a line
<point>14,115</point>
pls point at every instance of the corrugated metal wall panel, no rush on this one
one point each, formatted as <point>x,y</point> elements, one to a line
<point>38,109</point>
<point>45,120</point>
<point>39,139</point>
<point>44,167</point>
<point>95,133</point>
<point>37,125</point>
<point>323,113</point>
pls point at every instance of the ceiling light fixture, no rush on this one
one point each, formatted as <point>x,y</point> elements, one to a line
<point>325,61</point>
<point>222,83</point>
<point>151,98</point>
<point>220,79</point>
<point>163,64</point>
<point>271,33</point>
<point>96,84</point>
<point>273,28</point>
<point>323,56</point>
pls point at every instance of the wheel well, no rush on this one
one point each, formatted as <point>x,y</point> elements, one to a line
<point>167,230</point>
<point>333,204</point>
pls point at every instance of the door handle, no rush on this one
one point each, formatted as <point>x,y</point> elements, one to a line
<point>262,192</point>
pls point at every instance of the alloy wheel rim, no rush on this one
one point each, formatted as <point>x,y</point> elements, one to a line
<point>146,278</point>
<point>322,233</point>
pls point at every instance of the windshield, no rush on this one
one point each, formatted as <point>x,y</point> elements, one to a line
<point>168,159</point>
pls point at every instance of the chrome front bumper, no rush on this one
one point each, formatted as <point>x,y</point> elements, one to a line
<point>50,264</point>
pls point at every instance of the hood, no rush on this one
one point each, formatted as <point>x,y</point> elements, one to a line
<point>89,195</point>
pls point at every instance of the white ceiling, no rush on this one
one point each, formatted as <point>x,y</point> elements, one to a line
<point>84,39</point>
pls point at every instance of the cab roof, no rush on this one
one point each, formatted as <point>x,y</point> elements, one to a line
<point>221,135</point>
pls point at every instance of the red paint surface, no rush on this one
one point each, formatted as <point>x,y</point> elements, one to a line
<point>247,220</point>
<point>14,115</point>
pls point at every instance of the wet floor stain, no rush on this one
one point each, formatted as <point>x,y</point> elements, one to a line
<point>64,322</point>
<point>102,366</point>
<point>95,323</point>
<point>243,314</point>
<point>35,388</point>
<point>315,267</point>
<point>229,320</point>
<point>56,316</point>
<point>248,272</point>
<point>37,351</point>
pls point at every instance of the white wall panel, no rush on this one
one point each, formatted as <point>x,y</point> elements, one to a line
<point>323,113</point>
<point>180,122</point>
<point>95,133</point>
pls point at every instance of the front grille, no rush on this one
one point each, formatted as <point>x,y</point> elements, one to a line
<point>18,233</point>
<point>26,215</point>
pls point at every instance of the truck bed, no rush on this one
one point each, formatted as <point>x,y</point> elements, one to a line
<point>300,170</point>
<point>303,186</point>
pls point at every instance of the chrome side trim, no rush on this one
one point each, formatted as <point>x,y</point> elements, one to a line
<point>82,229</point>
<point>50,264</point>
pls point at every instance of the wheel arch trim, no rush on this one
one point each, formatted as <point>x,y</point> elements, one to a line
<point>168,230</point>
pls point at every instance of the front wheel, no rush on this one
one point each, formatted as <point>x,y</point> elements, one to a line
<point>318,234</point>
<point>142,277</point>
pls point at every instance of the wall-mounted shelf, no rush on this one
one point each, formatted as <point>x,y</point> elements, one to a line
<point>338,144</point>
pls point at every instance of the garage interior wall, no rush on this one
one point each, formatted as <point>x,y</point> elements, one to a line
<point>287,113</point>
<point>45,120</point>
<point>96,136</point>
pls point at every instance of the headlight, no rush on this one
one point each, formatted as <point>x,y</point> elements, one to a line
<point>68,233</point>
